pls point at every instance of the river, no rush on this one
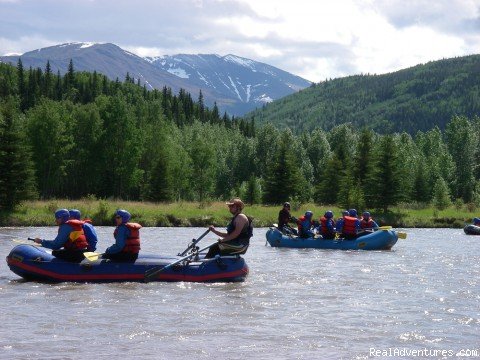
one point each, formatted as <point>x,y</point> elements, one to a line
<point>419,300</point>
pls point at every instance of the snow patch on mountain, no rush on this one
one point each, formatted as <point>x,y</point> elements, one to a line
<point>264,98</point>
<point>235,88</point>
<point>181,73</point>
<point>87,45</point>
<point>240,61</point>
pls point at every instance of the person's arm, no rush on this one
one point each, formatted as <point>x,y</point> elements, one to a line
<point>358,225</point>
<point>120,241</point>
<point>63,234</point>
<point>331,225</point>
<point>216,232</point>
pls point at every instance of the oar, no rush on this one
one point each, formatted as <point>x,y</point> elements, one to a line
<point>194,242</point>
<point>25,242</point>
<point>150,274</point>
<point>402,235</point>
<point>92,256</point>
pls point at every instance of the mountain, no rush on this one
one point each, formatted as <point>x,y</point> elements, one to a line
<point>246,81</point>
<point>236,84</point>
<point>413,99</point>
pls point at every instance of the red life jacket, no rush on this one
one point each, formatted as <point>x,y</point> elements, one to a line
<point>325,230</point>
<point>132,244</point>
<point>300,221</point>
<point>349,225</point>
<point>366,224</point>
<point>76,239</point>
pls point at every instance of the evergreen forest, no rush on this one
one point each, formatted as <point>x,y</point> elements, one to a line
<point>81,135</point>
<point>414,99</point>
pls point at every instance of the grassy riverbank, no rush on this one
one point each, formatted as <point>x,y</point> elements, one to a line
<point>40,213</point>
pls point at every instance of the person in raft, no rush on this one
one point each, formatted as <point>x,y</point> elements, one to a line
<point>239,231</point>
<point>127,239</point>
<point>327,225</point>
<point>340,221</point>
<point>70,243</point>
<point>351,225</point>
<point>88,229</point>
<point>367,223</point>
<point>305,224</point>
<point>284,217</point>
<point>476,221</point>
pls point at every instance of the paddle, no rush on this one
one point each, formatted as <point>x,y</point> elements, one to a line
<point>150,274</point>
<point>194,242</point>
<point>92,256</point>
<point>402,235</point>
<point>25,242</point>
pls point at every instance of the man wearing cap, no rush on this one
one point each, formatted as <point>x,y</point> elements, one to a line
<point>284,217</point>
<point>70,242</point>
<point>237,238</point>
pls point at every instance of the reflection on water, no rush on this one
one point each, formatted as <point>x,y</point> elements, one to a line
<point>296,303</point>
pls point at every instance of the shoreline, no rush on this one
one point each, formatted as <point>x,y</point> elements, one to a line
<point>194,214</point>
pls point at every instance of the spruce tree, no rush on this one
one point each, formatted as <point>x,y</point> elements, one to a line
<point>441,195</point>
<point>22,87</point>
<point>385,186</point>
<point>161,180</point>
<point>283,180</point>
<point>17,181</point>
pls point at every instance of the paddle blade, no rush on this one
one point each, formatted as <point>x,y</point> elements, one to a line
<point>92,256</point>
<point>385,228</point>
<point>402,235</point>
<point>25,242</point>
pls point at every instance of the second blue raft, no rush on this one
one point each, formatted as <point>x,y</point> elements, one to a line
<point>378,240</point>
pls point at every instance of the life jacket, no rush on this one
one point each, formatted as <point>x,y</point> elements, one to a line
<point>326,231</point>
<point>76,238</point>
<point>245,234</point>
<point>304,225</point>
<point>132,244</point>
<point>349,227</point>
<point>367,224</point>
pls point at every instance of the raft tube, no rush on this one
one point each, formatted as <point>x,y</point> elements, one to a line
<point>472,230</point>
<point>34,263</point>
<point>378,240</point>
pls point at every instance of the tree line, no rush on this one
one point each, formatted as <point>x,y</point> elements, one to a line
<point>81,135</point>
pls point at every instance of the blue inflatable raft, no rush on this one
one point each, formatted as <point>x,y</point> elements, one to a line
<point>378,240</point>
<point>34,263</point>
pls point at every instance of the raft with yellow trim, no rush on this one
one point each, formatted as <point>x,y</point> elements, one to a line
<point>34,263</point>
<point>377,240</point>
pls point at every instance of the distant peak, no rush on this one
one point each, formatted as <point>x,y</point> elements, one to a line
<point>239,60</point>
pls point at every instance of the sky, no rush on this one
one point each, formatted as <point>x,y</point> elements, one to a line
<point>315,39</point>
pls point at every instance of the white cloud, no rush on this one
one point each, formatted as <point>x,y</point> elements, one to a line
<point>313,39</point>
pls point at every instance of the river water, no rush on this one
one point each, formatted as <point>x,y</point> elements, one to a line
<point>419,300</point>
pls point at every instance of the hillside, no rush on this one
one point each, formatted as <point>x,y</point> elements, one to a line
<point>412,99</point>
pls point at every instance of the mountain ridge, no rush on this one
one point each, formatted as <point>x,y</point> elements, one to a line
<point>236,89</point>
<point>411,99</point>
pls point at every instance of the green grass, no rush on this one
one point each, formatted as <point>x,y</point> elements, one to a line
<point>40,213</point>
